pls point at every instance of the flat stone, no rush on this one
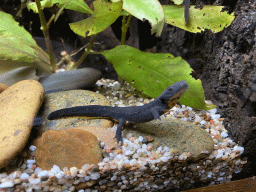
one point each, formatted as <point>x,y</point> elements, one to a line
<point>67,148</point>
<point>3,87</point>
<point>70,80</point>
<point>105,135</point>
<point>19,105</point>
<point>64,99</point>
<point>181,136</point>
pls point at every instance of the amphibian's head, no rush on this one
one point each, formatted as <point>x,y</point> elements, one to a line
<point>172,94</point>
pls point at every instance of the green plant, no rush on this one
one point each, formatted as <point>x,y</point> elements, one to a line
<point>147,72</point>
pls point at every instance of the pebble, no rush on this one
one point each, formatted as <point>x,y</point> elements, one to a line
<point>73,171</point>
<point>136,165</point>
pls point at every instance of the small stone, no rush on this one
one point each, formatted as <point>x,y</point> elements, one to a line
<point>23,166</point>
<point>34,181</point>
<point>145,140</point>
<point>159,181</point>
<point>73,171</point>
<point>6,185</point>
<point>44,178</point>
<point>150,139</point>
<point>67,148</point>
<point>103,182</point>
<point>24,176</point>
<point>32,148</point>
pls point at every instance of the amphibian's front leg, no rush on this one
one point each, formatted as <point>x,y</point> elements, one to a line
<point>119,131</point>
<point>155,113</point>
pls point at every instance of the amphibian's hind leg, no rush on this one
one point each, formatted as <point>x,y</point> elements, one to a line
<point>119,131</point>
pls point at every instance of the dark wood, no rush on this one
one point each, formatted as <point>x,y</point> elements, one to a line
<point>248,184</point>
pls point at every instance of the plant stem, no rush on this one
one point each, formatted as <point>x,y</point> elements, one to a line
<point>125,25</point>
<point>23,6</point>
<point>50,20</point>
<point>45,30</point>
<point>96,52</point>
<point>87,51</point>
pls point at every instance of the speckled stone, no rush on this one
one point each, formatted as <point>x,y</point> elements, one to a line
<point>19,105</point>
<point>67,148</point>
<point>3,87</point>
<point>64,99</point>
<point>178,135</point>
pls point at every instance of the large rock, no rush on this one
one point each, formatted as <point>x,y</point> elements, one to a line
<point>70,80</point>
<point>179,136</point>
<point>59,100</point>
<point>67,148</point>
<point>19,105</point>
<point>15,75</point>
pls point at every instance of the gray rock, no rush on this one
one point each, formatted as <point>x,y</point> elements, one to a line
<point>176,134</point>
<point>22,73</point>
<point>69,80</point>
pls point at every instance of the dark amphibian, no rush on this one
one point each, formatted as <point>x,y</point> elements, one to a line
<point>134,114</point>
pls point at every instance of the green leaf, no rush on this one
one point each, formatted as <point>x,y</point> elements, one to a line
<point>124,13</point>
<point>103,16</point>
<point>18,48</point>
<point>149,10</point>
<point>76,5</point>
<point>177,2</point>
<point>44,4</point>
<point>152,73</point>
<point>210,17</point>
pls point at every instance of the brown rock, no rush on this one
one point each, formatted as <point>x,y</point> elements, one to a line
<point>105,135</point>
<point>19,105</point>
<point>67,148</point>
<point>2,87</point>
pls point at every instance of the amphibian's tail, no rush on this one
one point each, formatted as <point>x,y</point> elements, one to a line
<point>89,111</point>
